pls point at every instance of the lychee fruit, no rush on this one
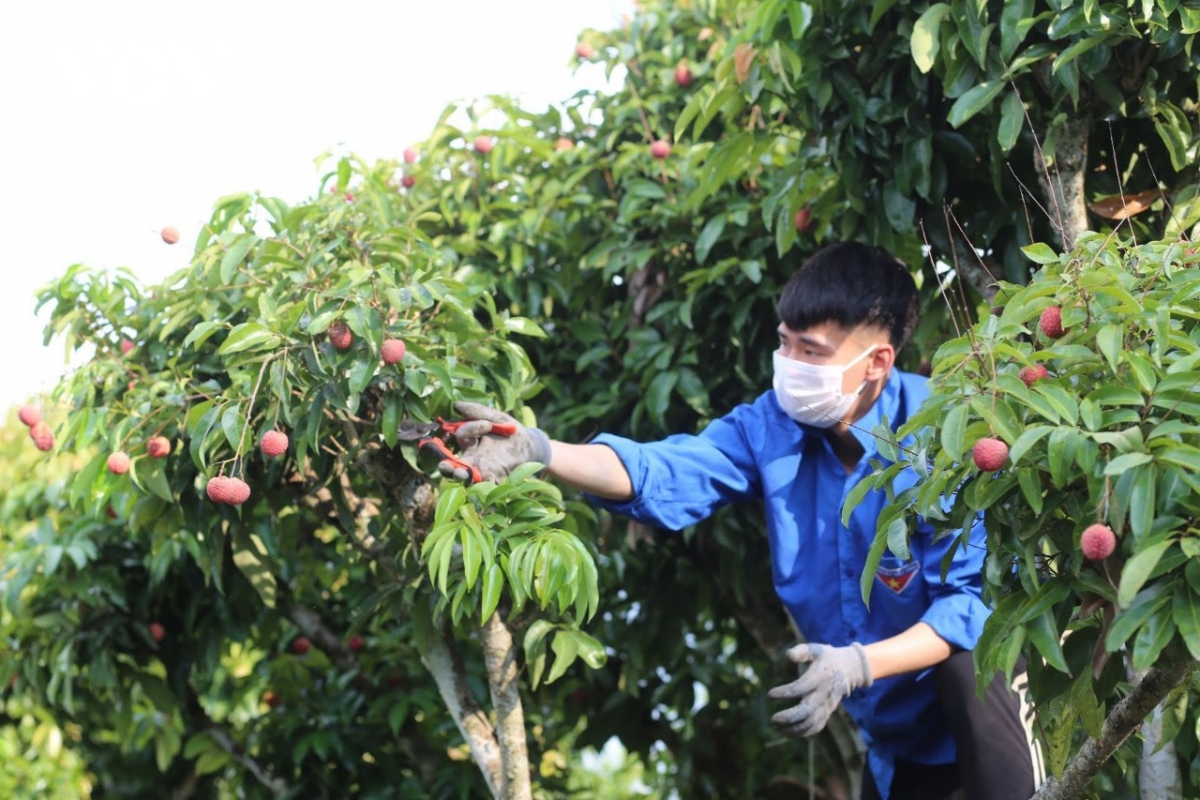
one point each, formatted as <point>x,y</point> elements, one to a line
<point>1097,542</point>
<point>410,155</point>
<point>408,181</point>
<point>683,76</point>
<point>29,415</point>
<point>230,491</point>
<point>392,351</point>
<point>803,220</point>
<point>272,700</point>
<point>355,643</point>
<point>1031,375</point>
<point>1051,323</point>
<point>660,148</point>
<point>41,435</point>
<point>584,50</point>
<point>118,463</point>
<point>157,631</point>
<point>274,443</point>
<point>483,144</point>
<point>126,346</point>
<point>563,143</point>
<point>340,336</point>
<point>301,645</point>
<point>170,234</point>
<point>158,447</point>
<point>989,454</point>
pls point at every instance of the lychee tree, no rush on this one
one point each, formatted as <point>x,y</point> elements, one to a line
<point>234,549</point>
<point>1091,506</point>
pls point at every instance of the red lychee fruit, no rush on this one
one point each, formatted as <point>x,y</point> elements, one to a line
<point>272,700</point>
<point>483,144</point>
<point>410,155</point>
<point>408,181</point>
<point>1032,375</point>
<point>230,491</point>
<point>170,234</point>
<point>579,696</point>
<point>157,631</point>
<point>393,351</point>
<point>584,50</point>
<point>349,197</point>
<point>301,645</point>
<point>1097,542</point>
<point>29,415</point>
<point>1051,323</point>
<point>126,346</point>
<point>563,143</point>
<point>340,336</point>
<point>41,435</point>
<point>803,220</point>
<point>660,148</point>
<point>683,76</point>
<point>355,643</point>
<point>274,443</point>
<point>989,454</point>
<point>158,447</point>
<point>118,463</point>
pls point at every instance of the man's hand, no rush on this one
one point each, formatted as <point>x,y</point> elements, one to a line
<point>832,674</point>
<point>494,456</point>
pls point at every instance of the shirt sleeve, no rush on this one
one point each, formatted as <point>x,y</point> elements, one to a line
<point>956,611</point>
<point>683,479</point>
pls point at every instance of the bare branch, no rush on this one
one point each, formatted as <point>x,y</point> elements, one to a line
<point>1125,717</point>
<point>500,658</point>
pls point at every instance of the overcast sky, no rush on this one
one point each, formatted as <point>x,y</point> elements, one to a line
<point>120,117</point>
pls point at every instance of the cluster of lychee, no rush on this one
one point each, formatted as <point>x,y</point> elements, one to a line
<point>39,431</point>
<point>342,338</point>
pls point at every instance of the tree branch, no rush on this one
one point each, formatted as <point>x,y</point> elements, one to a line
<point>1062,183</point>
<point>1125,717</point>
<point>274,785</point>
<point>500,658</point>
<point>444,662</point>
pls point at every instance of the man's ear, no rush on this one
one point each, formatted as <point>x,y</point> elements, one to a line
<point>881,361</point>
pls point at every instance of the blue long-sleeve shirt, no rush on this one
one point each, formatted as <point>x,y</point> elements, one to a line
<point>758,452</point>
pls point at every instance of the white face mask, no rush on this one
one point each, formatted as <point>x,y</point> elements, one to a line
<point>811,393</point>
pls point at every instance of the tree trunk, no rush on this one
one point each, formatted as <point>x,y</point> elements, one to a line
<point>1062,180</point>
<point>500,658</point>
<point>1158,769</point>
<point>445,665</point>
<point>1123,720</point>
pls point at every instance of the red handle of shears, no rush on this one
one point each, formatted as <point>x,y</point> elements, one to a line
<point>438,447</point>
<point>498,428</point>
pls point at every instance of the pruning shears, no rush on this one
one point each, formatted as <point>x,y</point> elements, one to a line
<point>428,436</point>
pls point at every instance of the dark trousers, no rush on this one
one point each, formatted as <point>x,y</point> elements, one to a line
<point>996,757</point>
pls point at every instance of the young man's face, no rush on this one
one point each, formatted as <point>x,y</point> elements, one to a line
<point>829,344</point>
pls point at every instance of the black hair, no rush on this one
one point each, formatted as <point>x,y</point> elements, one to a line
<point>852,284</point>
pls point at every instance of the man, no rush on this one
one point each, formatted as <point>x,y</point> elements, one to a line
<point>901,668</point>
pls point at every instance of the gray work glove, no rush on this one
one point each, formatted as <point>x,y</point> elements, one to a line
<point>493,455</point>
<point>832,674</point>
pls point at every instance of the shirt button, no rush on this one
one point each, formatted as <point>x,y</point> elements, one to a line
<point>853,633</point>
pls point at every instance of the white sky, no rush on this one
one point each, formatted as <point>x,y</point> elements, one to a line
<point>120,117</point>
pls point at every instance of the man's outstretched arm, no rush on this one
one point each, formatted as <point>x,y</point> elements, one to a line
<point>915,649</point>
<point>592,468</point>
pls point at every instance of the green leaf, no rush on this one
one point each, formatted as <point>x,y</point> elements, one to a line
<point>212,761</point>
<point>658,396</point>
<point>1012,119</point>
<point>1186,611</point>
<point>1149,602</point>
<point>234,256</point>
<point>926,41</point>
<point>493,582</point>
<point>201,332</point>
<point>1040,253</point>
<point>150,474</point>
<point>954,431</point>
<point>1110,339</point>
<point>250,556</point>
<point>566,647</point>
<point>1126,462</point>
<point>249,336</point>
<point>1137,571</point>
<point>1043,632</point>
<point>973,101</point>
<point>535,648</point>
<point>708,237</point>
